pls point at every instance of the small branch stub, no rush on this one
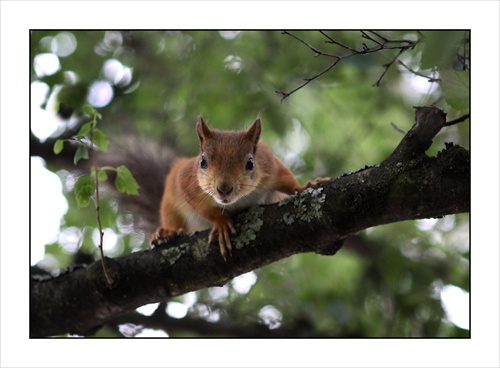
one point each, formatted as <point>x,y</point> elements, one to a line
<point>428,122</point>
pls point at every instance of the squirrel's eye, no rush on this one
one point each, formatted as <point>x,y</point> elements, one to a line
<point>249,165</point>
<point>203,162</point>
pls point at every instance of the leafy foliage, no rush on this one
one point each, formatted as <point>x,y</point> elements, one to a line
<point>385,281</point>
<point>125,182</point>
<point>84,189</point>
<point>455,85</point>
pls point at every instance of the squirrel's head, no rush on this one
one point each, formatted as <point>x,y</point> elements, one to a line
<point>227,169</point>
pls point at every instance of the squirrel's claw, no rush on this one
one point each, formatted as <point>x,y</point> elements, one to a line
<point>312,184</point>
<point>223,228</point>
<point>162,236</point>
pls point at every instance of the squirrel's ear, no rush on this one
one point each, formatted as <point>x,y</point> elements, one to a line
<point>253,133</point>
<point>203,130</point>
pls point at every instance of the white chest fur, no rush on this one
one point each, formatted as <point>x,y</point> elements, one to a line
<point>256,197</point>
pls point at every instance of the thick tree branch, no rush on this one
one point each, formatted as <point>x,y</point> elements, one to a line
<point>408,185</point>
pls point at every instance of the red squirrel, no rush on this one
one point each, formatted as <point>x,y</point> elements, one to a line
<point>234,170</point>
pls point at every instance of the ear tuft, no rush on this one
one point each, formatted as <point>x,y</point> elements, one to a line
<point>203,130</point>
<point>253,133</point>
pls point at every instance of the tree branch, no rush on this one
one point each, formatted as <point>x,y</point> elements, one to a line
<point>458,120</point>
<point>386,44</point>
<point>407,185</point>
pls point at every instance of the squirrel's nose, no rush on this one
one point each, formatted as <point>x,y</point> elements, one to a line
<point>224,189</point>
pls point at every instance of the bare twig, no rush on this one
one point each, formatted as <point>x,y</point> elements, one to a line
<point>431,79</point>
<point>332,41</point>
<point>317,51</point>
<point>307,81</point>
<point>366,36</point>
<point>387,41</point>
<point>458,120</point>
<point>398,129</point>
<point>380,43</point>
<point>388,65</point>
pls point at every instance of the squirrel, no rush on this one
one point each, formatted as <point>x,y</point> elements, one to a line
<point>233,171</point>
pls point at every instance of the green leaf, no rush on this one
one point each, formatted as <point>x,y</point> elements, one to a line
<point>125,182</point>
<point>456,88</point>
<point>85,129</point>
<point>440,48</point>
<point>100,140</point>
<point>101,173</point>
<point>84,189</point>
<point>58,146</point>
<point>82,152</point>
<point>102,176</point>
<point>89,110</point>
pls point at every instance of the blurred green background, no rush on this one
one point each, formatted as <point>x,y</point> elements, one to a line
<point>400,280</point>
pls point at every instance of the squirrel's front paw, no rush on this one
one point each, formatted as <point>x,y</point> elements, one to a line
<point>317,181</point>
<point>223,227</point>
<point>312,184</point>
<point>162,236</point>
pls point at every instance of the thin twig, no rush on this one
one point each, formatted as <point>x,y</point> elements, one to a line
<point>109,279</point>
<point>386,44</point>
<point>458,120</point>
<point>386,40</point>
<point>318,52</point>
<point>388,65</point>
<point>398,129</point>
<point>332,41</point>
<point>431,79</point>
<point>306,81</point>
<point>365,35</point>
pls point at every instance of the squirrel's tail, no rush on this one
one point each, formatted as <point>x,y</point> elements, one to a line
<point>149,163</point>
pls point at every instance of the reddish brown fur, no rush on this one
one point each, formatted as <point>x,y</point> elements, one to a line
<point>194,197</point>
